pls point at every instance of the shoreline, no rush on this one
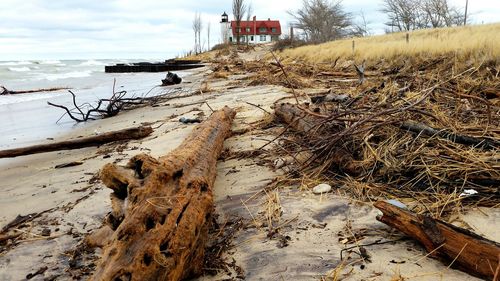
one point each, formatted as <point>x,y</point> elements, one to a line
<point>314,228</point>
<point>32,121</point>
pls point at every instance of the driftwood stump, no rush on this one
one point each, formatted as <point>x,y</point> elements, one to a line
<point>161,233</point>
<point>469,252</point>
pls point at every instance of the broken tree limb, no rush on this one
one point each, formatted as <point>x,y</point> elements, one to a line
<point>419,128</point>
<point>169,205</point>
<point>468,251</point>
<point>126,134</point>
<point>311,126</point>
<point>5,91</point>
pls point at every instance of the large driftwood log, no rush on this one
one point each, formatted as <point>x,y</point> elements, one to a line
<point>126,134</point>
<point>468,251</point>
<point>302,121</point>
<point>161,234</point>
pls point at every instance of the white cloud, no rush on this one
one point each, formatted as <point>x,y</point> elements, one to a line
<point>57,29</point>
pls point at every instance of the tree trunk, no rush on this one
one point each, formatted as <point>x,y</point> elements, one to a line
<point>169,204</point>
<point>466,250</point>
<point>126,134</point>
<point>309,125</point>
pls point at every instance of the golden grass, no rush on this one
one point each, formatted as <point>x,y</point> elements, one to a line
<point>204,56</point>
<point>480,42</point>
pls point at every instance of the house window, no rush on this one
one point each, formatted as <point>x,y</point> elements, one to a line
<point>251,38</point>
<point>262,29</point>
<point>230,39</point>
<point>274,30</point>
<point>248,29</point>
<point>263,38</point>
<point>242,39</point>
<point>238,30</point>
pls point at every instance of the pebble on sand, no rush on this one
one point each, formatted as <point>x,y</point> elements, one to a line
<point>322,188</point>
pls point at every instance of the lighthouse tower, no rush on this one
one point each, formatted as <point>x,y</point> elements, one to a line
<point>225,26</point>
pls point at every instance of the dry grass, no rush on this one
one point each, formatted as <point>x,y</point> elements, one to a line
<point>479,43</point>
<point>205,56</point>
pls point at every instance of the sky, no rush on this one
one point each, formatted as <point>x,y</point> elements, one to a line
<point>149,29</point>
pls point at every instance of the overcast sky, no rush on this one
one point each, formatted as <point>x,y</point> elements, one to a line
<point>147,29</point>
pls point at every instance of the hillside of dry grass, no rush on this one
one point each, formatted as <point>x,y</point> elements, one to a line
<point>479,43</point>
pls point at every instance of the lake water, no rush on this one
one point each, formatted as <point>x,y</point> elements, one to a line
<point>27,119</point>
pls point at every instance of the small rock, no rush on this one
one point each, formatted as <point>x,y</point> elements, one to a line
<point>45,232</point>
<point>336,98</point>
<point>189,120</point>
<point>322,188</point>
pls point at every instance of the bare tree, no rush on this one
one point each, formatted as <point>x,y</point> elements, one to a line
<point>323,20</point>
<point>208,36</point>
<point>239,9</point>
<point>440,13</point>
<point>249,17</point>
<point>361,27</point>
<point>200,27</point>
<point>405,15</point>
<point>195,30</point>
<point>197,27</point>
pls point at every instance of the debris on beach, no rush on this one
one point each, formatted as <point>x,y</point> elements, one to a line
<point>477,255</point>
<point>120,135</point>
<point>117,103</point>
<point>5,91</point>
<point>410,131</point>
<point>163,231</point>
<point>171,79</point>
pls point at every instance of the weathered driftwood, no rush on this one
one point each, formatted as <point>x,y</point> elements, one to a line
<point>425,130</point>
<point>5,91</point>
<point>126,134</point>
<point>468,251</point>
<point>161,234</point>
<point>313,127</point>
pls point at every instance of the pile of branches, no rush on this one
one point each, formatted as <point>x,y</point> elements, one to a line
<point>417,131</point>
<point>118,102</point>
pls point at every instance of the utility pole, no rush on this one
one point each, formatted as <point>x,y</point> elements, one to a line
<point>466,6</point>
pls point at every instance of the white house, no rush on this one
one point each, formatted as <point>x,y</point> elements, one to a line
<point>255,31</point>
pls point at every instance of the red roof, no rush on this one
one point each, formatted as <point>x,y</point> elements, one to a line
<point>264,27</point>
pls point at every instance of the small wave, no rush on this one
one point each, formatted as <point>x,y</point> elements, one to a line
<point>14,63</point>
<point>74,74</point>
<point>19,69</point>
<point>91,63</point>
<point>50,62</point>
<point>12,99</point>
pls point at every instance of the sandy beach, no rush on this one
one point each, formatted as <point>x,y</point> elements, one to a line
<point>70,203</point>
